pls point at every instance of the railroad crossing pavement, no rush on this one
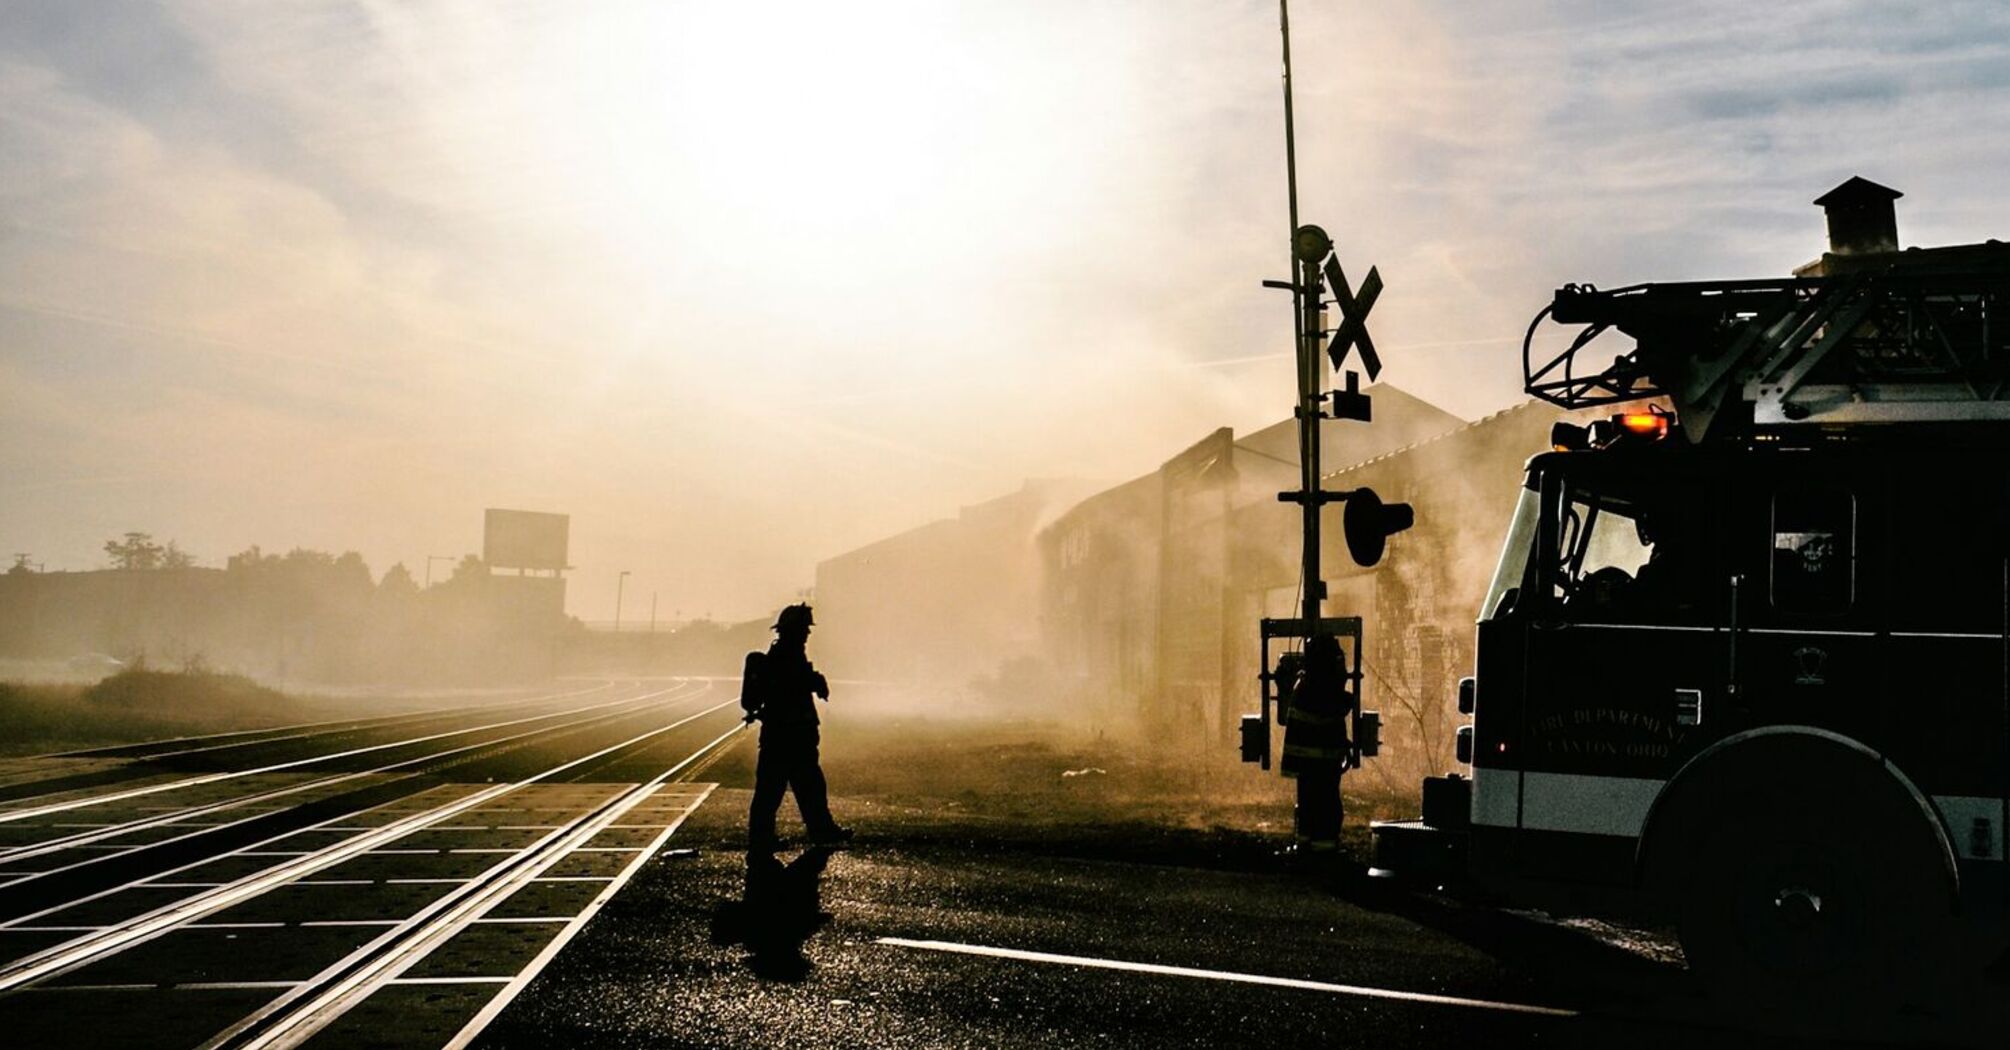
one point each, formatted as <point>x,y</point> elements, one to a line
<point>438,966</point>
<point>936,931</point>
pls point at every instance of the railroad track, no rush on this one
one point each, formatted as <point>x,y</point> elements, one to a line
<point>61,801</point>
<point>95,844</point>
<point>74,774</point>
<point>385,902</point>
<point>180,746</point>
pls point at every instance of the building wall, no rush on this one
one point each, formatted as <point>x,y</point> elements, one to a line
<point>1099,601</point>
<point>943,603</point>
<point>1154,589</point>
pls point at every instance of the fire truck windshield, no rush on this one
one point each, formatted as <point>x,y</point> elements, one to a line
<point>1514,556</point>
<point>1605,545</point>
<point>1627,546</point>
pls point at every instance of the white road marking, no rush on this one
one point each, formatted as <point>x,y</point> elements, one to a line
<point>1224,975</point>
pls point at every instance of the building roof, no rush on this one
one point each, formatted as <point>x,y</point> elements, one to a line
<point>1401,419</point>
<point>1857,190</point>
<point>1488,421</point>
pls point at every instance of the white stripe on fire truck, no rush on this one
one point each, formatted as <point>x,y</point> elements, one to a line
<point>1815,632</point>
<point>1594,805</point>
<point>1572,802</point>
<point>1970,841</point>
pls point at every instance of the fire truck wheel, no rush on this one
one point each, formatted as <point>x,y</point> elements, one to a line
<point>1821,893</point>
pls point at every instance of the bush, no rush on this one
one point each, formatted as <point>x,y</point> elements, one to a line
<point>172,693</point>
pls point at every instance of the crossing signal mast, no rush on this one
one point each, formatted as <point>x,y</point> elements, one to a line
<point>1367,521</point>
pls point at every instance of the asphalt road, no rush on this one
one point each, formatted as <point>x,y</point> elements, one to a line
<point>565,873</point>
<point>953,926</point>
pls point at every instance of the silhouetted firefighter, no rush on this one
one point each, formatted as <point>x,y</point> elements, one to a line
<point>1315,740</point>
<point>779,688</point>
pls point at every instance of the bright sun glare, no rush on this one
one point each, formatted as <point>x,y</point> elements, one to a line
<point>875,134</point>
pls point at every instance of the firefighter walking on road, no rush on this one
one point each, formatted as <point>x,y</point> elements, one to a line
<point>1316,748</point>
<point>779,688</point>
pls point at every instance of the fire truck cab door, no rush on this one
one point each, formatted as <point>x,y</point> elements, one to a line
<point>1627,662</point>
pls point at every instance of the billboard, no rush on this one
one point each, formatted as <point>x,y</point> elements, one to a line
<point>525,539</point>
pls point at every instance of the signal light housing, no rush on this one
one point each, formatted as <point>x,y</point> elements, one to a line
<point>1368,523</point>
<point>1568,437</point>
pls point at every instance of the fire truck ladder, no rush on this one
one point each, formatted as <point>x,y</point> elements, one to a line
<point>1899,344</point>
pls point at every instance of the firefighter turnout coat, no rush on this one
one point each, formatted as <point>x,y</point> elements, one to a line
<point>1315,718</point>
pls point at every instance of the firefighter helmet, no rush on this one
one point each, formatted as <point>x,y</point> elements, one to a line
<point>795,616</point>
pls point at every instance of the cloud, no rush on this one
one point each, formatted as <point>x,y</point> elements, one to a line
<point>742,286</point>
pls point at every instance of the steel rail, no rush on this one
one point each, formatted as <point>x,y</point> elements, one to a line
<point>319,728</point>
<point>95,835</point>
<point>523,977</point>
<point>324,998</point>
<point>565,727</point>
<point>112,939</point>
<point>10,815</point>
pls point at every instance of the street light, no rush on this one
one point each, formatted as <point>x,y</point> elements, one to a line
<point>620,582</point>
<point>430,559</point>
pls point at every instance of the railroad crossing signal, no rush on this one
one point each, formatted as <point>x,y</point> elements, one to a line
<point>1353,330</point>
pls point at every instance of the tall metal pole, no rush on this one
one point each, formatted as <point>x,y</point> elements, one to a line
<point>619,582</point>
<point>1305,329</point>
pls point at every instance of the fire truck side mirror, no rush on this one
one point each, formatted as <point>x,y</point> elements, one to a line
<point>1368,523</point>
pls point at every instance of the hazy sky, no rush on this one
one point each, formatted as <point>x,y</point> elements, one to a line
<point>741,285</point>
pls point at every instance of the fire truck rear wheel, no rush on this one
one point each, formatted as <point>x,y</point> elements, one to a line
<point>1818,895</point>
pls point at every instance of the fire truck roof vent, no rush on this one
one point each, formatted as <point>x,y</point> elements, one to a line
<point>1861,217</point>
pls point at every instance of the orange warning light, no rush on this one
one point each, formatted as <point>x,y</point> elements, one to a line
<point>1646,424</point>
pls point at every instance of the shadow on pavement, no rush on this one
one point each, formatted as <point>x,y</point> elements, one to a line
<point>1613,983</point>
<point>779,912</point>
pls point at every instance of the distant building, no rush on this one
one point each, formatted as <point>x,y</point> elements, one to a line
<point>1152,590</point>
<point>944,602</point>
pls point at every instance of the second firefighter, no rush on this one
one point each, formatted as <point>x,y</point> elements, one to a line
<point>1316,749</point>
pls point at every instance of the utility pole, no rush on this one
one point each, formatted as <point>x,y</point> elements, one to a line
<point>652,612</point>
<point>619,582</point>
<point>1315,270</point>
<point>1306,254</point>
<point>430,559</point>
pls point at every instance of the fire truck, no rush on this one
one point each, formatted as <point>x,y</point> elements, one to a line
<point>1745,661</point>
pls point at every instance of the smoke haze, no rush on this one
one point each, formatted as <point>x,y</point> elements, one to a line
<point>741,287</point>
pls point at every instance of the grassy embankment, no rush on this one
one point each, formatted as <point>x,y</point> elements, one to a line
<point>1045,786</point>
<point>137,705</point>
